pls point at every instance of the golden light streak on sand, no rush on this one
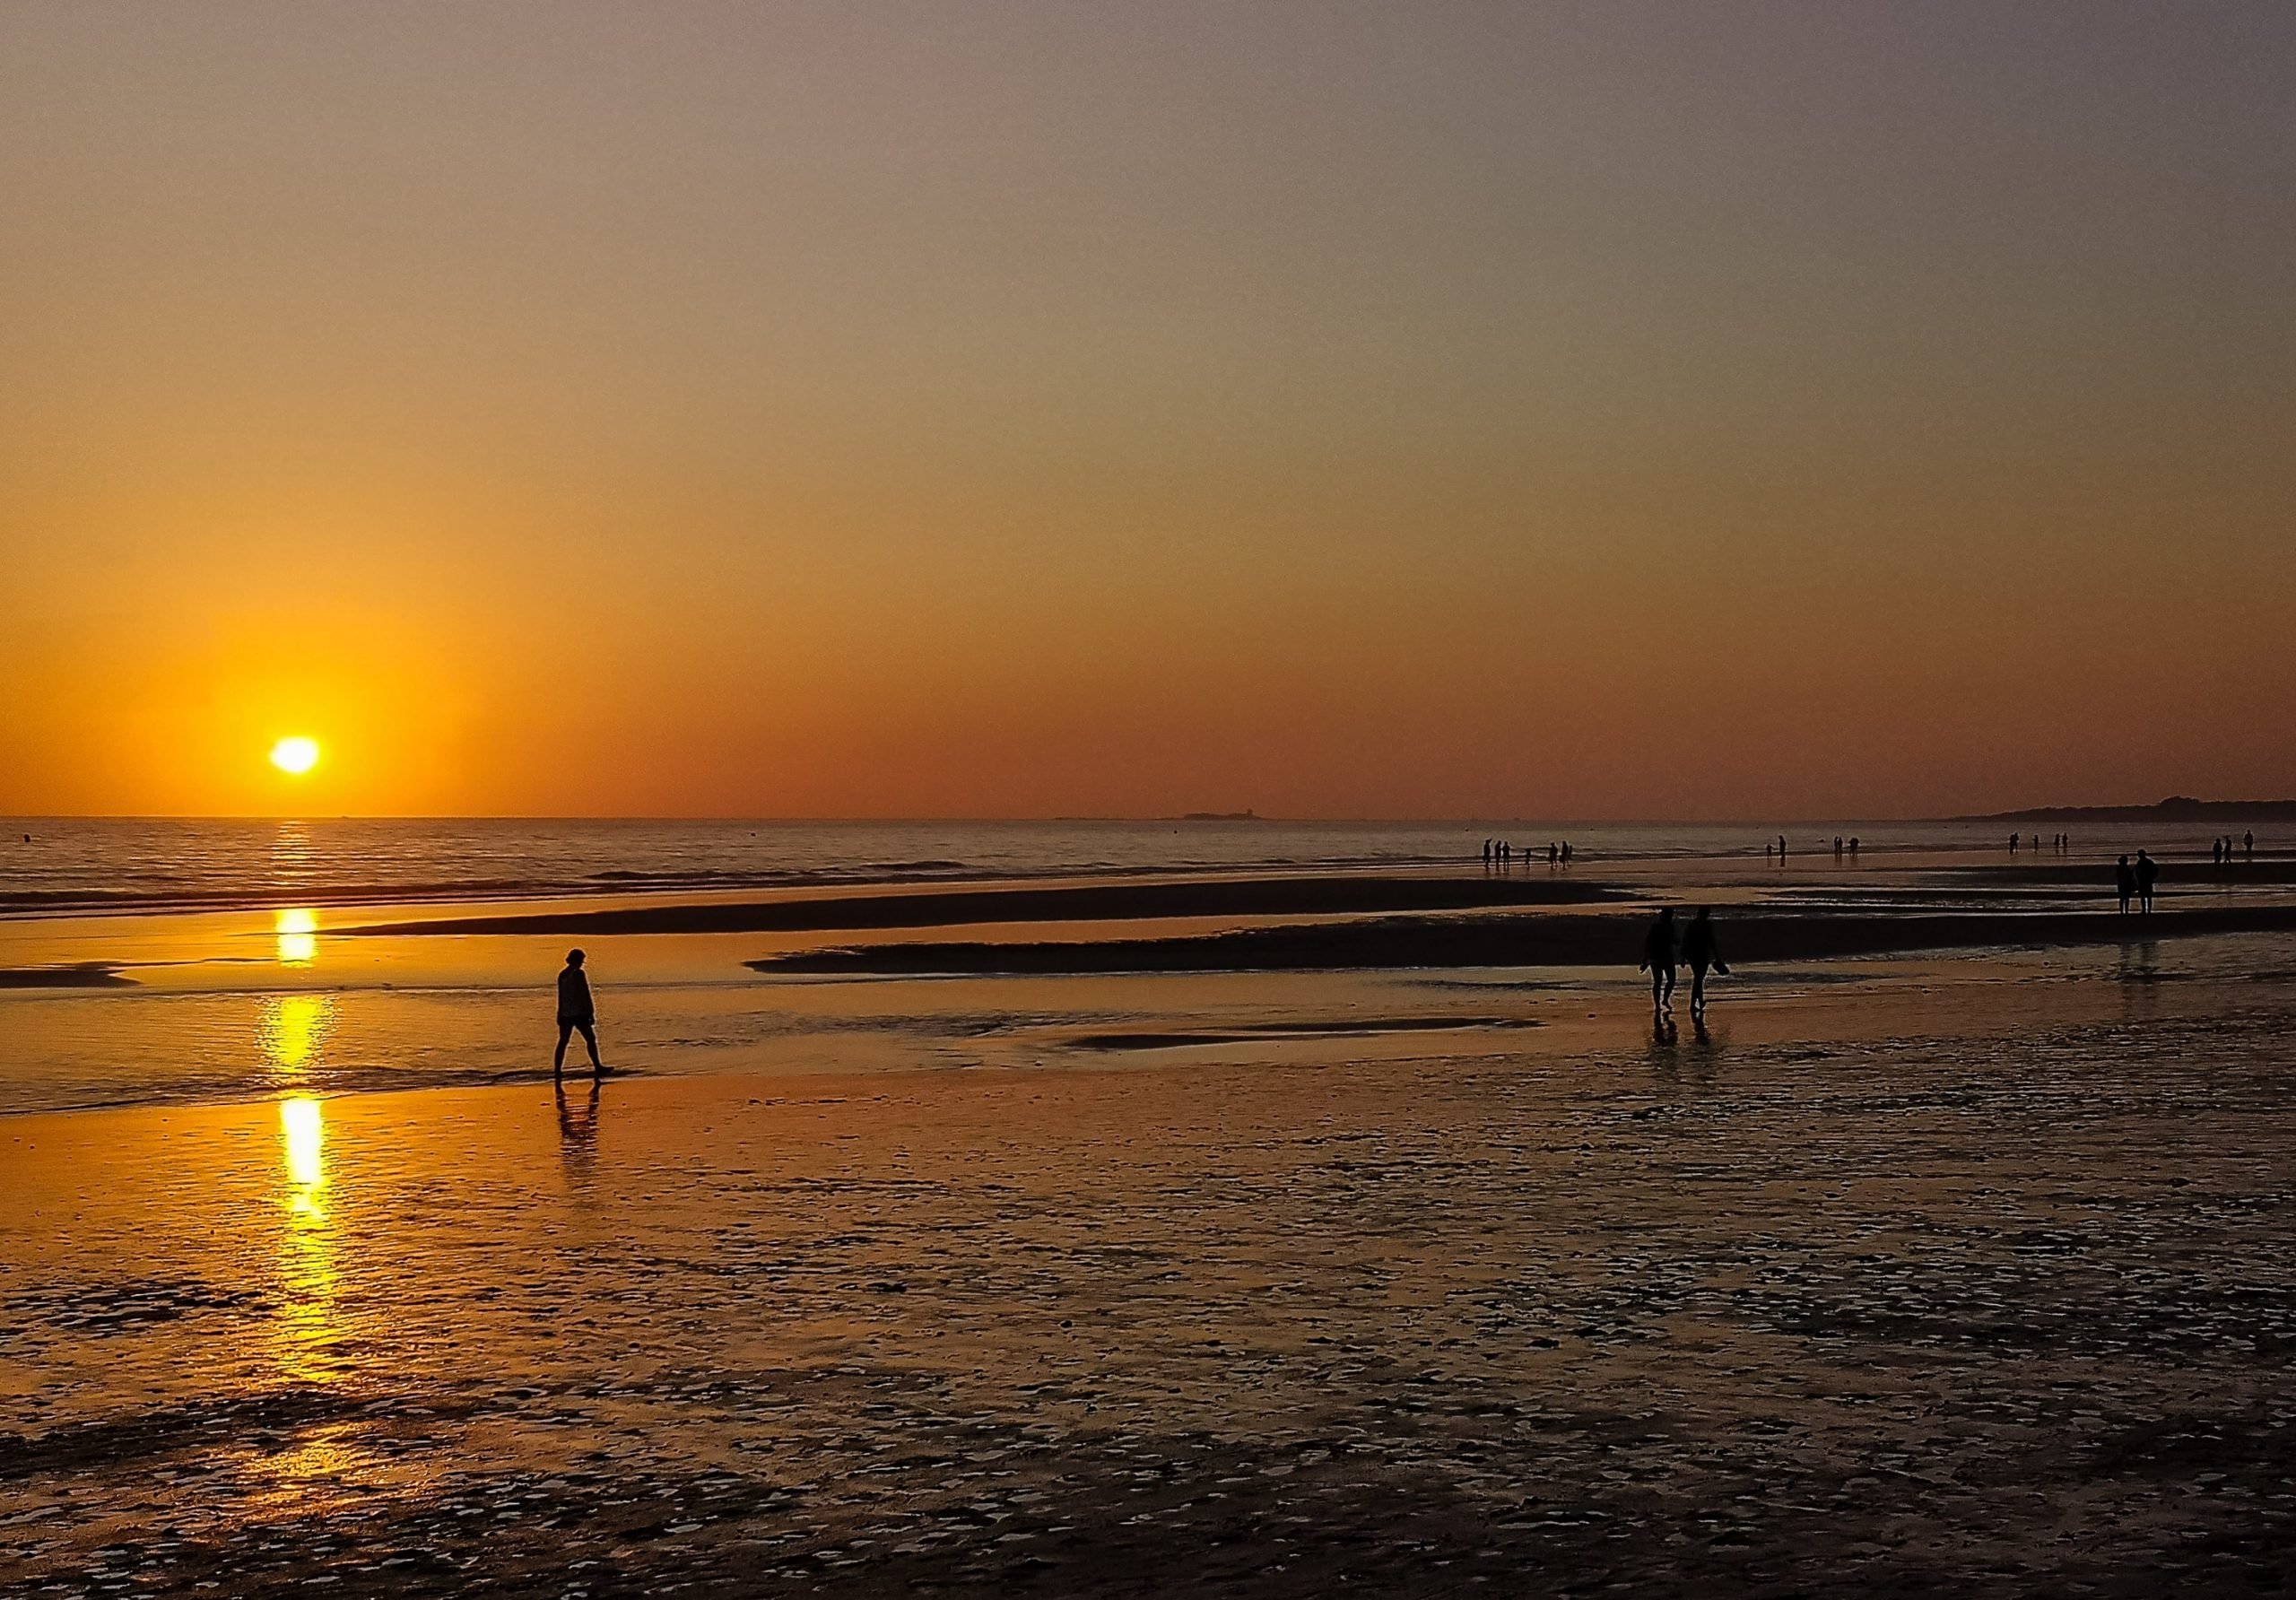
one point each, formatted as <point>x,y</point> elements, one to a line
<point>306,1330</point>
<point>302,1138</point>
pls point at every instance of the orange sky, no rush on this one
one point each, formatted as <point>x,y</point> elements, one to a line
<point>1007,410</point>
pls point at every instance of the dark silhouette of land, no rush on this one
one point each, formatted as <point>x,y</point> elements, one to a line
<point>1581,939</point>
<point>2177,808</point>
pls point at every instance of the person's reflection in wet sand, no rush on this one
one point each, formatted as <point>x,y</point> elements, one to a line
<point>1664,1037</point>
<point>577,1136</point>
<point>2139,979</point>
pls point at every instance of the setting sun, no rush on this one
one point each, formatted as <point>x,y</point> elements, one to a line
<point>297,755</point>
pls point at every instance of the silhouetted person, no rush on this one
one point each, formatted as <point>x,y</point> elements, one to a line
<point>2248,843</point>
<point>2012,844</point>
<point>575,1010</point>
<point>1566,852</point>
<point>2217,852</point>
<point>1699,950</point>
<point>1553,856</point>
<point>1837,846</point>
<point>2125,880</point>
<point>1852,844</point>
<point>1486,852</point>
<point>1658,958</point>
<point>2148,872</point>
<point>1781,847</point>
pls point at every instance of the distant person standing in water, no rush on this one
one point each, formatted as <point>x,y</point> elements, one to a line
<point>2125,880</point>
<point>1781,847</point>
<point>2248,843</point>
<point>575,1010</point>
<point>1699,950</point>
<point>2148,872</point>
<point>1658,959</point>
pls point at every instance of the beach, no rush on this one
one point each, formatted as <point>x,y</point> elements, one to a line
<point>1909,1270</point>
<point>1735,1319</point>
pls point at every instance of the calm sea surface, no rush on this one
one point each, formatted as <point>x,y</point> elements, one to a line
<point>56,864</point>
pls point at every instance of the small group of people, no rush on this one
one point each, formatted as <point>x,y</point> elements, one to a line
<point>1661,955</point>
<point>1501,853</point>
<point>2058,842</point>
<point>2221,850</point>
<point>1774,849</point>
<point>2135,882</point>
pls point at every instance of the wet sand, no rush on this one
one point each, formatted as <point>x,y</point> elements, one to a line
<point>2000,1311</point>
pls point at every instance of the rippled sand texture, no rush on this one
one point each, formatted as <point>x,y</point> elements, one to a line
<point>1980,1317</point>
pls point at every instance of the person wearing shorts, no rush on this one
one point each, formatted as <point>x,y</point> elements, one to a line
<point>576,1011</point>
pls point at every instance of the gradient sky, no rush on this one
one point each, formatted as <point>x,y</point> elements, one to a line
<point>1706,409</point>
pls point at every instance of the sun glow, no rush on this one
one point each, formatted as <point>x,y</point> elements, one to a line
<point>296,755</point>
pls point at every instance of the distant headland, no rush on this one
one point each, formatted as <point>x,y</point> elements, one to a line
<point>2177,808</point>
<point>1218,817</point>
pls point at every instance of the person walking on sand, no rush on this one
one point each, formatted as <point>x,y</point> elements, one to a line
<point>1658,961</point>
<point>575,1010</point>
<point>2148,872</point>
<point>1699,950</point>
<point>2125,880</point>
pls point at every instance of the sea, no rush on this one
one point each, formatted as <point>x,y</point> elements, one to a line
<point>53,866</point>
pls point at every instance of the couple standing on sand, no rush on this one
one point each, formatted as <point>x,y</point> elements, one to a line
<point>2135,882</point>
<point>1698,952</point>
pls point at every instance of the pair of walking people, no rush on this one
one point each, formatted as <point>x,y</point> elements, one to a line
<point>1697,952</point>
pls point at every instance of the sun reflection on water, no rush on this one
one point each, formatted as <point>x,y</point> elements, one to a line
<point>297,931</point>
<point>292,1032</point>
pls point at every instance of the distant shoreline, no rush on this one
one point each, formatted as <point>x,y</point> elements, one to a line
<point>2177,809</point>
